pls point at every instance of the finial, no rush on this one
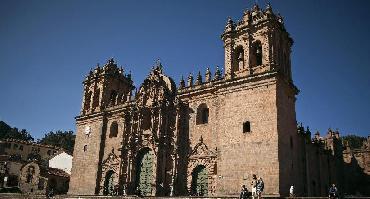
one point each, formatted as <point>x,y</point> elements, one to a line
<point>190,80</point>
<point>256,7</point>
<point>199,79</point>
<point>308,130</point>
<point>229,20</point>
<point>158,63</point>
<point>182,82</point>
<point>217,74</point>
<point>129,75</point>
<point>208,75</point>
<point>268,9</point>
<point>201,139</point>
<point>111,61</point>
<point>280,18</point>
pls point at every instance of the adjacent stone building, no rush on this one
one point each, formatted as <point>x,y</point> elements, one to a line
<point>25,167</point>
<point>208,135</point>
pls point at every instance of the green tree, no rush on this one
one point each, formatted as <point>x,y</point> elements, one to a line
<point>7,132</point>
<point>354,141</point>
<point>61,139</point>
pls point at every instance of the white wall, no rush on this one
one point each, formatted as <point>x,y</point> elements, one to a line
<point>61,161</point>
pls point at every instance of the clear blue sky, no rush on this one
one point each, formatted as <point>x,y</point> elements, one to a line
<point>47,47</point>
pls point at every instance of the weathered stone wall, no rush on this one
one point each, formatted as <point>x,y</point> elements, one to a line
<point>239,154</point>
<point>85,167</point>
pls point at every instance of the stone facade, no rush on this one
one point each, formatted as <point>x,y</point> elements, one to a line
<point>24,167</point>
<point>207,136</point>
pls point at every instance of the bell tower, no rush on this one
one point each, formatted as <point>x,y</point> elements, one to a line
<point>105,87</point>
<point>258,43</point>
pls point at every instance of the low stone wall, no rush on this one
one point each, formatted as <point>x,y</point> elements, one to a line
<point>23,196</point>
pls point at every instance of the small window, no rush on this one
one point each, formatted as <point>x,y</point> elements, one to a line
<point>202,114</point>
<point>85,148</point>
<point>258,53</point>
<point>113,129</point>
<point>21,147</point>
<point>238,59</point>
<point>246,127</point>
<point>49,152</point>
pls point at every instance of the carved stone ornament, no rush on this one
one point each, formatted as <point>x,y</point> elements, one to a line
<point>87,130</point>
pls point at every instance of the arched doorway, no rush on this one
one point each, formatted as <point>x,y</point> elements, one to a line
<point>109,183</point>
<point>199,183</point>
<point>144,174</point>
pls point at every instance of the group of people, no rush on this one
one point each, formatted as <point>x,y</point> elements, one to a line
<point>258,185</point>
<point>333,192</point>
<point>257,188</point>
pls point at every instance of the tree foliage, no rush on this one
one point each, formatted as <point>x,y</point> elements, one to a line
<point>7,132</point>
<point>354,141</point>
<point>59,138</point>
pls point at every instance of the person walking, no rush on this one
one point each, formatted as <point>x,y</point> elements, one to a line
<point>259,187</point>
<point>254,184</point>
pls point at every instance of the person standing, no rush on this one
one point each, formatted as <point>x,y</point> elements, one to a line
<point>291,191</point>
<point>254,184</point>
<point>259,187</point>
<point>333,191</point>
<point>244,193</point>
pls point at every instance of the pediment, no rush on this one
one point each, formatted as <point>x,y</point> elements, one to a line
<point>112,159</point>
<point>201,150</point>
<point>156,87</point>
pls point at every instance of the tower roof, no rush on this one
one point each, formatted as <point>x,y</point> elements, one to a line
<point>109,69</point>
<point>253,17</point>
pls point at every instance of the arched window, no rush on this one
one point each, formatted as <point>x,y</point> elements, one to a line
<point>96,98</point>
<point>87,100</point>
<point>113,129</point>
<point>202,114</point>
<point>239,58</point>
<point>257,49</point>
<point>85,148</point>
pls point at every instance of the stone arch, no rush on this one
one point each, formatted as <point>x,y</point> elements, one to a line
<point>202,114</point>
<point>110,165</point>
<point>199,183</point>
<point>202,156</point>
<point>257,53</point>
<point>238,59</point>
<point>145,172</point>
<point>109,183</point>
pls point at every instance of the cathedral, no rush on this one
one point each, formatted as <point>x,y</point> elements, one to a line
<point>207,135</point>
